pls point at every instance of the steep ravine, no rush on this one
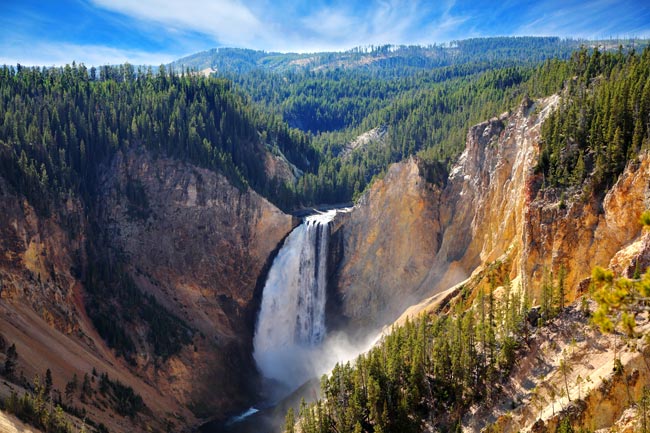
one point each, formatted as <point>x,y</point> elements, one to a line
<point>188,238</point>
<point>199,246</point>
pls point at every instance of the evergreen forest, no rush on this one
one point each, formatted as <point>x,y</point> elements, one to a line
<point>57,125</point>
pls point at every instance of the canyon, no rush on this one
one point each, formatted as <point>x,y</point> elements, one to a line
<point>418,240</point>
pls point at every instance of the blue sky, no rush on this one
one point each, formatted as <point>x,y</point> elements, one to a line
<point>95,32</point>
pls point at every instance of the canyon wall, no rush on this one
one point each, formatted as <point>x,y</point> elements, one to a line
<point>186,237</point>
<point>201,247</point>
<point>408,238</point>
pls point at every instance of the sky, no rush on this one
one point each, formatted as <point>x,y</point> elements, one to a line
<point>98,32</point>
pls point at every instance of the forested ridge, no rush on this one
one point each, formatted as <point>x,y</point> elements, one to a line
<point>59,124</point>
<point>388,60</point>
<point>423,111</point>
<point>432,120</point>
<point>602,123</point>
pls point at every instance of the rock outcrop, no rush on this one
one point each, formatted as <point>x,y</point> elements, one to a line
<point>534,396</point>
<point>38,262</point>
<point>390,241</point>
<point>586,231</point>
<point>409,239</point>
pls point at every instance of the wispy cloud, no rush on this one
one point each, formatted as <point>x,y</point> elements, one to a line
<point>594,19</point>
<point>330,22</point>
<point>377,22</point>
<point>338,25</point>
<point>447,25</point>
<point>228,21</point>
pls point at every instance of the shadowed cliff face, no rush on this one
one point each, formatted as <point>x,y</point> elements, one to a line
<point>186,237</point>
<point>198,245</point>
<point>42,310</point>
<point>38,257</point>
<point>408,239</point>
<point>197,239</point>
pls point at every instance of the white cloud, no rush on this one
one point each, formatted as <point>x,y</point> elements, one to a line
<point>380,22</point>
<point>59,54</point>
<point>228,21</point>
<point>272,26</point>
<point>596,19</point>
<point>330,23</point>
<point>180,27</point>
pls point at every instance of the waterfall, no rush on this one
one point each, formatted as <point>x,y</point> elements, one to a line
<point>291,322</point>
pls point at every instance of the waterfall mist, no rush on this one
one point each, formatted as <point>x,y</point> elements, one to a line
<point>291,344</point>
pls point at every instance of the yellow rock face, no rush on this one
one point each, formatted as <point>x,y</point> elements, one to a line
<point>407,240</point>
<point>394,235</point>
<point>589,232</point>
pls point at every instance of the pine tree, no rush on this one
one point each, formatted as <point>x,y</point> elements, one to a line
<point>565,369</point>
<point>290,422</point>
<point>644,409</point>
<point>547,301</point>
<point>565,426</point>
<point>579,171</point>
<point>48,383</point>
<point>86,388</point>
<point>71,387</point>
<point>561,295</point>
<point>619,295</point>
<point>11,361</point>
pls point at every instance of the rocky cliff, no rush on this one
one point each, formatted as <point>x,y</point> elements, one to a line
<point>389,244</point>
<point>199,247</point>
<point>590,394</point>
<point>187,238</point>
<point>409,238</point>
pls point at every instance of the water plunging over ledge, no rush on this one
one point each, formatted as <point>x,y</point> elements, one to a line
<point>291,346</point>
<point>291,322</point>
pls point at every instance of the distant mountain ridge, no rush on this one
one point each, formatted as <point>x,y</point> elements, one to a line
<point>508,50</point>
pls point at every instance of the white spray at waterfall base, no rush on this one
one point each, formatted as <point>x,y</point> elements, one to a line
<point>291,344</point>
